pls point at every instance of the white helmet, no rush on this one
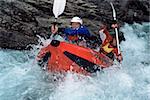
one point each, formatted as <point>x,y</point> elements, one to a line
<point>77,19</point>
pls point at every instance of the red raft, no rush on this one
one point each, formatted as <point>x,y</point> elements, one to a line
<point>62,56</point>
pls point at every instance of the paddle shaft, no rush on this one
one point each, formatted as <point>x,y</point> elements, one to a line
<point>116,30</point>
<point>58,9</point>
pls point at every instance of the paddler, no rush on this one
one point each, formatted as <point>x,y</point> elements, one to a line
<point>77,33</point>
<point>109,43</point>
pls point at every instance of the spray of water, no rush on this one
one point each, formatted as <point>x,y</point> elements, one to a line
<point>21,79</point>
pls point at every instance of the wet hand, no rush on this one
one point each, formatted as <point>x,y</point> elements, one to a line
<point>119,58</point>
<point>54,29</point>
<point>114,25</point>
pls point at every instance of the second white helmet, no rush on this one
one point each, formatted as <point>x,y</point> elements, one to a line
<point>77,19</point>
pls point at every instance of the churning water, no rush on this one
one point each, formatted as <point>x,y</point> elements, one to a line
<point>22,79</point>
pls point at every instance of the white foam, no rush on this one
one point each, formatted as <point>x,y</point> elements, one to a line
<point>22,79</point>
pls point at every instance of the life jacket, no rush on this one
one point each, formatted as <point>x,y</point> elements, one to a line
<point>73,34</point>
<point>108,48</point>
<point>105,37</point>
<point>109,51</point>
<point>73,38</point>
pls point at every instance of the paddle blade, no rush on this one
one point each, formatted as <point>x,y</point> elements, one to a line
<point>114,12</point>
<point>58,7</point>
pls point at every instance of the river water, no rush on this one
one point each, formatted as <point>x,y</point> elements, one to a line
<point>22,79</point>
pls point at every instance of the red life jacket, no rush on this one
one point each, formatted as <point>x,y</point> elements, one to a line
<point>106,45</point>
<point>108,37</point>
<point>73,38</point>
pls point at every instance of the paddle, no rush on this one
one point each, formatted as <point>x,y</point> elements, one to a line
<point>116,30</point>
<point>58,9</point>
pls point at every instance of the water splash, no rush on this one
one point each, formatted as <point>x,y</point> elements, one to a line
<point>21,79</point>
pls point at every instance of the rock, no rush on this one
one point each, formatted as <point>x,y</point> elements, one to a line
<point>15,40</point>
<point>22,20</point>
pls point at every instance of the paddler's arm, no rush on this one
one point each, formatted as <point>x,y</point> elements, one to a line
<point>118,56</point>
<point>56,30</point>
<point>114,24</point>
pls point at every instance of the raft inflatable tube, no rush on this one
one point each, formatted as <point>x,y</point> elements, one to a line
<point>62,56</point>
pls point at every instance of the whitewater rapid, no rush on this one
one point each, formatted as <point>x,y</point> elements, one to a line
<point>22,79</point>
